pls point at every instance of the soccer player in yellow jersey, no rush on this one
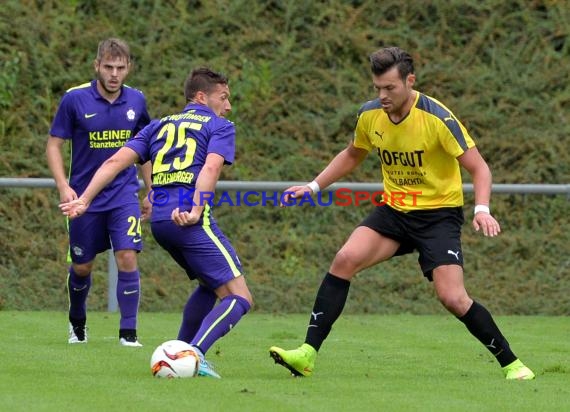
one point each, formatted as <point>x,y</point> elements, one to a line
<point>421,146</point>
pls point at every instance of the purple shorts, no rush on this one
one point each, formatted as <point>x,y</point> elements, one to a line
<point>93,233</point>
<point>202,250</point>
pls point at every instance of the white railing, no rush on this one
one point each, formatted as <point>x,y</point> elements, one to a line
<point>112,305</point>
<point>508,188</point>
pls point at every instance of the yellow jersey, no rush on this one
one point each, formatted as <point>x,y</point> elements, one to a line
<point>418,155</point>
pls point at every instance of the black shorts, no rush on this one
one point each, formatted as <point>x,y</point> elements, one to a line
<point>435,234</point>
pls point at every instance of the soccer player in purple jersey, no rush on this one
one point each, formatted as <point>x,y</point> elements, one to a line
<point>188,151</point>
<point>98,118</point>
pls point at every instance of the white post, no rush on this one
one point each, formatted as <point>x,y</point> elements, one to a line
<point>112,303</point>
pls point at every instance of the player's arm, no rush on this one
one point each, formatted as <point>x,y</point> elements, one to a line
<point>205,186</point>
<point>341,165</point>
<point>122,159</point>
<point>480,173</point>
<point>146,174</point>
<point>55,163</point>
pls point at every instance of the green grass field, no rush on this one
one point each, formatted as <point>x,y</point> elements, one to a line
<point>369,363</point>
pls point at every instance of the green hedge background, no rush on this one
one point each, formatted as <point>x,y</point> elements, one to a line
<point>298,72</point>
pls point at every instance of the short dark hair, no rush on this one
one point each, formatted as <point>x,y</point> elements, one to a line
<point>114,48</point>
<point>202,80</point>
<point>384,59</point>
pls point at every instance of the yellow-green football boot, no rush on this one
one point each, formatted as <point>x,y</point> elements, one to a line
<point>300,361</point>
<point>517,371</point>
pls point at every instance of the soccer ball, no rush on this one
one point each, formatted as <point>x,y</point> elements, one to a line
<point>174,359</point>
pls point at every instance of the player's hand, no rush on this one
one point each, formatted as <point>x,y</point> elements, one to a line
<point>74,208</point>
<point>185,218</point>
<point>67,194</point>
<point>294,192</point>
<point>487,223</point>
<point>146,209</point>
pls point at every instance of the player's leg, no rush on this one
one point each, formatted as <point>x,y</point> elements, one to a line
<point>78,285</point>
<point>235,301</point>
<point>199,304</point>
<point>175,241</point>
<point>441,259</point>
<point>450,290</point>
<point>124,229</point>
<point>128,294</point>
<point>86,239</point>
<point>364,248</point>
<point>205,253</point>
<point>449,286</point>
<point>218,268</point>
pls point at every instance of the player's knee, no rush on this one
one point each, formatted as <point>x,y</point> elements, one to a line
<point>249,305</point>
<point>456,303</point>
<point>126,260</point>
<point>243,303</point>
<point>247,296</point>
<point>236,287</point>
<point>345,264</point>
<point>82,269</point>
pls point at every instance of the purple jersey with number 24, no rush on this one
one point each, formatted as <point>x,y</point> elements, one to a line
<point>97,129</point>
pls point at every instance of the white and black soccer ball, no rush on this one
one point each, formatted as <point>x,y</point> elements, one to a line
<point>174,359</point>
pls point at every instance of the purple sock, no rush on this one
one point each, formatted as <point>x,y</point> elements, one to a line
<point>199,304</point>
<point>128,294</point>
<point>78,289</point>
<point>220,321</point>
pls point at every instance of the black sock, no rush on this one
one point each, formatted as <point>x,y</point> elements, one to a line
<point>480,323</point>
<point>77,322</point>
<point>328,306</point>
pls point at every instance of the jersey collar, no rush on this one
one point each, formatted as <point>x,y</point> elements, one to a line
<point>198,106</point>
<point>97,95</point>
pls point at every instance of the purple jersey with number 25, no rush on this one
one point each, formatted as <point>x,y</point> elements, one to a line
<point>178,146</point>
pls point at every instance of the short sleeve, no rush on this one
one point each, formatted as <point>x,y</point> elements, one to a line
<point>62,125</point>
<point>222,141</point>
